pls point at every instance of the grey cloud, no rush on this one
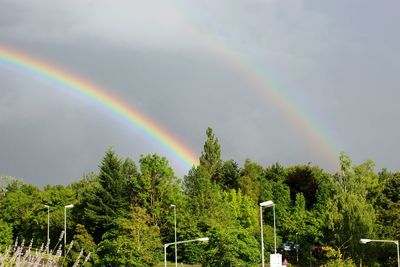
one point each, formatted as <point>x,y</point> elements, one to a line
<point>168,67</point>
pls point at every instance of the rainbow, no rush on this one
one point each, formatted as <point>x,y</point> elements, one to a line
<point>98,95</point>
<point>262,84</point>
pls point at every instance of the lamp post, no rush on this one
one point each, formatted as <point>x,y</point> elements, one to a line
<point>365,241</point>
<point>176,251</point>
<point>48,226</point>
<point>202,239</point>
<point>65,223</point>
<point>267,204</point>
<point>297,249</point>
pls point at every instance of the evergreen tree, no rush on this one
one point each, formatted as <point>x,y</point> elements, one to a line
<point>387,208</point>
<point>301,179</point>
<point>108,198</point>
<point>230,175</point>
<point>210,158</point>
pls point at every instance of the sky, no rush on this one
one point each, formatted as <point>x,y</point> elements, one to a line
<point>293,82</point>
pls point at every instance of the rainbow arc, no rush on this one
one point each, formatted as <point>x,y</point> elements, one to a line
<point>100,96</point>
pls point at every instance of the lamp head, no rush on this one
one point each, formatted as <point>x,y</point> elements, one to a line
<point>46,206</point>
<point>69,206</point>
<point>173,205</point>
<point>203,239</point>
<point>267,204</point>
<point>364,240</point>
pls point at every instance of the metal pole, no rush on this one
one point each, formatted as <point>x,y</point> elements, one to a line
<point>65,227</point>
<point>262,238</point>
<point>176,251</point>
<point>274,229</point>
<point>203,239</point>
<point>398,254</point>
<point>48,227</point>
<point>65,223</point>
<point>165,255</point>
<point>297,249</point>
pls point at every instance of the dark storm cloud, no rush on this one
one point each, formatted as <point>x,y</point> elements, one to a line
<point>342,71</point>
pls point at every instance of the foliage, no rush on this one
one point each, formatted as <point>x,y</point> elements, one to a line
<point>122,214</point>
<point>155,186</point>
<point>136,243</point>
<point>301,179</point>
<point>233,235</point>
<point>249,180</point>
<point>350,216</point>
<point>335,259</point>
<point>107,199</point>
<point>21,207</point>
<point>83,241</point>
<point>229,177</point>
<point>210,158</point>
<point>6,235</point>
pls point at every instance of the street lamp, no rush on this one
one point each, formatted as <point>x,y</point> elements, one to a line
<point>65,223</point>
<point>48,226</point>
<point>266,204</point>
<point>202,239</point>
<point>366,240</point>
<point>176,251</point>
<point>297,249</point>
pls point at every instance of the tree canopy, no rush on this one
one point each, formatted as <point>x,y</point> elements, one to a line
<point>122,214</point>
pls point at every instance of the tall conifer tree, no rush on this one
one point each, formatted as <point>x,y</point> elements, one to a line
<point>210,158</point>
<point>109,199</point>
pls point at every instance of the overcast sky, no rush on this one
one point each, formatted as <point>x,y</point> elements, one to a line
<point>182,64</point>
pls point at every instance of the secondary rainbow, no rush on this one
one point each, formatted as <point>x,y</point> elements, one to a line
<point>261,83</point>
<point>95,93</point>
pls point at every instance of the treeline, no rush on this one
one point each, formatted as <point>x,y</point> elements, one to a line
<point>123,213</point>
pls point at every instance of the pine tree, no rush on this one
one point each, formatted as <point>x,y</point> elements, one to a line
<point>108,198</point>
<point>210,158</point>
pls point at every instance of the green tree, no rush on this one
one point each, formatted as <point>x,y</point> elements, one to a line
<point>274,187</point>
<point>350,216</point>
<point>210,158</point>
<point>203,198</point>
<point>199,188</point>
<point>109,197</point>
<point>335,258</point>
<point>135,242</point>
<point>388,213</point>
<point>230,175</point>
<point>231,246</point>
<point>56,197</point>
<point>6,235</point>
<point>20,208</point>
<point>83,240</point>
<point>388,207</point>
<point>156,186</point>
<point>233,231</point>
<point>249,181</point>
<point>301,179</point>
